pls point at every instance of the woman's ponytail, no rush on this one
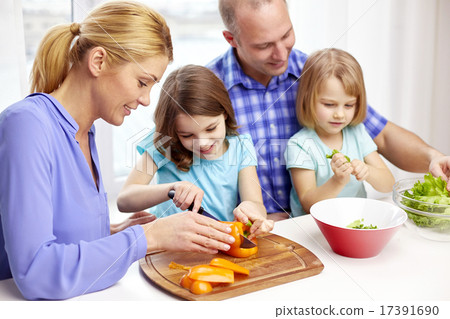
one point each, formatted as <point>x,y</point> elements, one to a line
<point>52,62</point>
<point>127,30</point>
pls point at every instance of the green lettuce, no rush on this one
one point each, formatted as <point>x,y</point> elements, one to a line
<point>434,191</point>
<point>358,224</point>
<point>335,151</point>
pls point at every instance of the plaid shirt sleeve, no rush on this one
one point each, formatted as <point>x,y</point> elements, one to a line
<point>374,122</point>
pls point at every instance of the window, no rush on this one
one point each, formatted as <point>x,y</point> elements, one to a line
<point>38,17</point>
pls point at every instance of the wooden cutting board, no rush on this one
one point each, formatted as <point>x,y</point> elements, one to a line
<point>278,261</point>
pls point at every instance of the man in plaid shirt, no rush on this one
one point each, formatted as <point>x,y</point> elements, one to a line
<point>261,72</point>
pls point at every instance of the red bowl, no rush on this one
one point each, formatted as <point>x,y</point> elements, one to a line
<point>334,215</point>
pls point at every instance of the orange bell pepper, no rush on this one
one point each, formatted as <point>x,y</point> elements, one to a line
<point>174,265</point>
<point>235,250</point>
<point>224,263</point>
<point>211,274</point>
<point>201,279</point>
<point>199,287</point>
<point>196,286</point>
<point>185,281</point>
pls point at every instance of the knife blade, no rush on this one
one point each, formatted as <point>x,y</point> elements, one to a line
<point>245,242</point>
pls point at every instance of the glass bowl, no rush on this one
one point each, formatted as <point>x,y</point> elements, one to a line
<point>431,221</point>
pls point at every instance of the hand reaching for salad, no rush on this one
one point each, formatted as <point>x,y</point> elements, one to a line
<point>440,166</point>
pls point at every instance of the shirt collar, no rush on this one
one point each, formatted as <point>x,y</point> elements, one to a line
<point>234,75</point>
<point>64,118</point>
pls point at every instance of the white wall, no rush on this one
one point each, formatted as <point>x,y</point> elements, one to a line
<point>440,111</point>
<point>13,77</point>
<point>403,47</point>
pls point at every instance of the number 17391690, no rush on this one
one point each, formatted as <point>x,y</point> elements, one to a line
<point>411,310</point>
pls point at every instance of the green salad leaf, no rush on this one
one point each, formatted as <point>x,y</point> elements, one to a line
<point>358,224</point>
<point>335,151</point>
<point>434,191</point>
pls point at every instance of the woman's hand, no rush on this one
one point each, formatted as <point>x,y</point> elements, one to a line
<point>138,218</point>
<point>187,193</point>
<point>360,170</point>
<point>256,213</point>
<point>188,231</point>
<point>341,168</point>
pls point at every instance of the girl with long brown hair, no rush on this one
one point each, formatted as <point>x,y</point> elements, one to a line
<point>195,150</point>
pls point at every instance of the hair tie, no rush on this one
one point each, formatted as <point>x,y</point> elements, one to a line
<point>75,28</point>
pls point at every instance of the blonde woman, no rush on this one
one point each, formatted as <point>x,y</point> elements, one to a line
<point>55,237</point>
<point>331,106</point>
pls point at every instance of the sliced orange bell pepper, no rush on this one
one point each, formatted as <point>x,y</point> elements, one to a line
<point>185,281</point>
<point>174,265</point>
<point>224,263</point>
<point>199,287</point>
<point>211,274</point>
<point>235,250</point>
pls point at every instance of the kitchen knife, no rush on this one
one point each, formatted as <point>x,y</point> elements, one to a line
<point>201,211</point>
<point>245,242</point>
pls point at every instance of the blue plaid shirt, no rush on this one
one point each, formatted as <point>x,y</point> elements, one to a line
<point>268,115</point>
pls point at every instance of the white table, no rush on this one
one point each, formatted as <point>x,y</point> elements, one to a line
<point>409,268</point>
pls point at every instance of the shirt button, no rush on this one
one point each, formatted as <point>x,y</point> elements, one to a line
<point>280,192</point>
<point>272,126</point>
<point>276,159</point>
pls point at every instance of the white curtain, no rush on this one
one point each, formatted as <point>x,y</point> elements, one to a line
<point>403,47</point>
<point>13,77</point>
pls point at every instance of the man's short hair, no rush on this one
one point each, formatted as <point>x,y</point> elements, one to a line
<point>227,12</point>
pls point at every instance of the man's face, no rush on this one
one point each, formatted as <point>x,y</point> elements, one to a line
<point>264,41</point>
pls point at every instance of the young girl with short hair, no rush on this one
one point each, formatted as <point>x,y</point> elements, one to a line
<point>331,106</point>
<point>195,150</point>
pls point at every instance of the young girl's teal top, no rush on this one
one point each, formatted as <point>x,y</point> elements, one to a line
<point>306,150</point>
<point>217,178</point>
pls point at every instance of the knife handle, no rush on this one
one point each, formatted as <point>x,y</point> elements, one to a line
<point>171,194</point>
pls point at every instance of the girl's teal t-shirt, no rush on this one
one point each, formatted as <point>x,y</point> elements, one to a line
<point>217,178</point>
<point>306,150</point>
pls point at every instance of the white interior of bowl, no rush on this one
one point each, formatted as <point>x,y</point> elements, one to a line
<point>344,210</point>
